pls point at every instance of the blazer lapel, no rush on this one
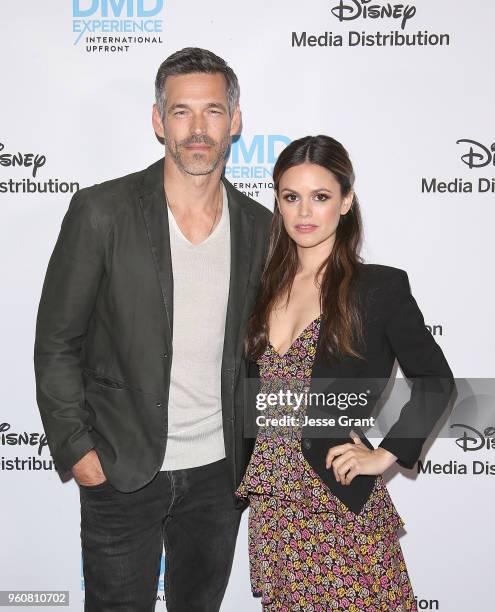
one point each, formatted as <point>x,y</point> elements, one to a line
<point>155,214</point>
<point>241,232</point>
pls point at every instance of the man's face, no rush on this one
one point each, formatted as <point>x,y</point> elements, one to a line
<point>196,125</point>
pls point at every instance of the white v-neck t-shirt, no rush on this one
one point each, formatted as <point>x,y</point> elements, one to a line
<point>201,289</point>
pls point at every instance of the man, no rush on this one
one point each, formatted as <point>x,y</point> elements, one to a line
<point>138,353</point>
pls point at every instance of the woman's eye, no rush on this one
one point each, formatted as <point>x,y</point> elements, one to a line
<point>321,197</point>
<point>291,197</point>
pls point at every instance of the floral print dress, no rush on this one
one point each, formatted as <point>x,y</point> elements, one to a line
<point>307,551</point>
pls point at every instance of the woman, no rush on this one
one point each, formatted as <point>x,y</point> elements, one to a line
<point>323,530</point>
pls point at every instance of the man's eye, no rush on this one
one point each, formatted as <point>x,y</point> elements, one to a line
<point>180,113</point>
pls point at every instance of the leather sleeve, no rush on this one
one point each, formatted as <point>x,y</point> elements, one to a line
<point>422,361</point>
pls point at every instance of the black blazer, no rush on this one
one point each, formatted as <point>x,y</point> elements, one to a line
<point>103,347</point>
<point>393,328</point>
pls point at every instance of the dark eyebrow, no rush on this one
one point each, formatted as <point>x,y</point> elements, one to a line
<point>209,105</point>
<point>322,189</point>
<point>217,105</point>
<point>176,106</point>
<point>314,190</point>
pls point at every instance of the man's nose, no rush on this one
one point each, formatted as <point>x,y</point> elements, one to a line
<point>198,124</point>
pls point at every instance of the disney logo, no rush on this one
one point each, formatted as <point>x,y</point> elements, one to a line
<point>22,159</point>
<point>353,9</point>
<point>477,441</point>
<point>480,156</point>
<point>30,439</point>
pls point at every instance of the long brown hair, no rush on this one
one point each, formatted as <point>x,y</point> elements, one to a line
<point>341,323</point>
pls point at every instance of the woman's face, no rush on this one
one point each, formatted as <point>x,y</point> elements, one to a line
<point>310,202</point>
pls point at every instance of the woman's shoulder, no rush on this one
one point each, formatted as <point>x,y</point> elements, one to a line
<point>380,281</point>
<point>379,275</point>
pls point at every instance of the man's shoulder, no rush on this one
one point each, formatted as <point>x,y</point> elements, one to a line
<point>125,185</point>
<point>111,198</point>
<point>260,213</point>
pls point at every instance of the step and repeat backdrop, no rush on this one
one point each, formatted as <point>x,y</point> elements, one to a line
<point>406,87</point>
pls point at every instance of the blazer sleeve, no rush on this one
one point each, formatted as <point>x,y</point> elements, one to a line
<point>423,363</point>
<point>67,301</point>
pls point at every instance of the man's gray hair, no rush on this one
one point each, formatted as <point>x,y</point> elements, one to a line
<point>190,60</point>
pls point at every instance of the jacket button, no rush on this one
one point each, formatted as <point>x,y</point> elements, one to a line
<point>306,443</point>
<point>158,404</point>
<point>164,355</point>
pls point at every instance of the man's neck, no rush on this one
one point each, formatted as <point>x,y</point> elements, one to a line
<point>187,192</point>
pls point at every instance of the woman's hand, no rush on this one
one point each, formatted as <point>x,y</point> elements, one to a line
<point>349,460</point>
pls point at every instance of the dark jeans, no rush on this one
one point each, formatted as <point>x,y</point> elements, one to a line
<point>191,512</point>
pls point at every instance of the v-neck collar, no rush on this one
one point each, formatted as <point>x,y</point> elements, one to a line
<point>216,230</point>
<point>295,341</point>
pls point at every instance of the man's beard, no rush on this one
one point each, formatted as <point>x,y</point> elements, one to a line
<point>199,164</point>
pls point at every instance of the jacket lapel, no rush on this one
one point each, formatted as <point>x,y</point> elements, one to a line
<point>241,231</point>
<point>155,214</point>
<point>241,234</point>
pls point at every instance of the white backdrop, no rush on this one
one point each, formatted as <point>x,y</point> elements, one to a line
<point>400,110</point>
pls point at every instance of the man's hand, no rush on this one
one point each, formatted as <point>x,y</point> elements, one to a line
<point>349,460</point>
<point>87,471</point>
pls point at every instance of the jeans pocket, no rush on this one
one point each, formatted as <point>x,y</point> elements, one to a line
<point>97,487</point>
